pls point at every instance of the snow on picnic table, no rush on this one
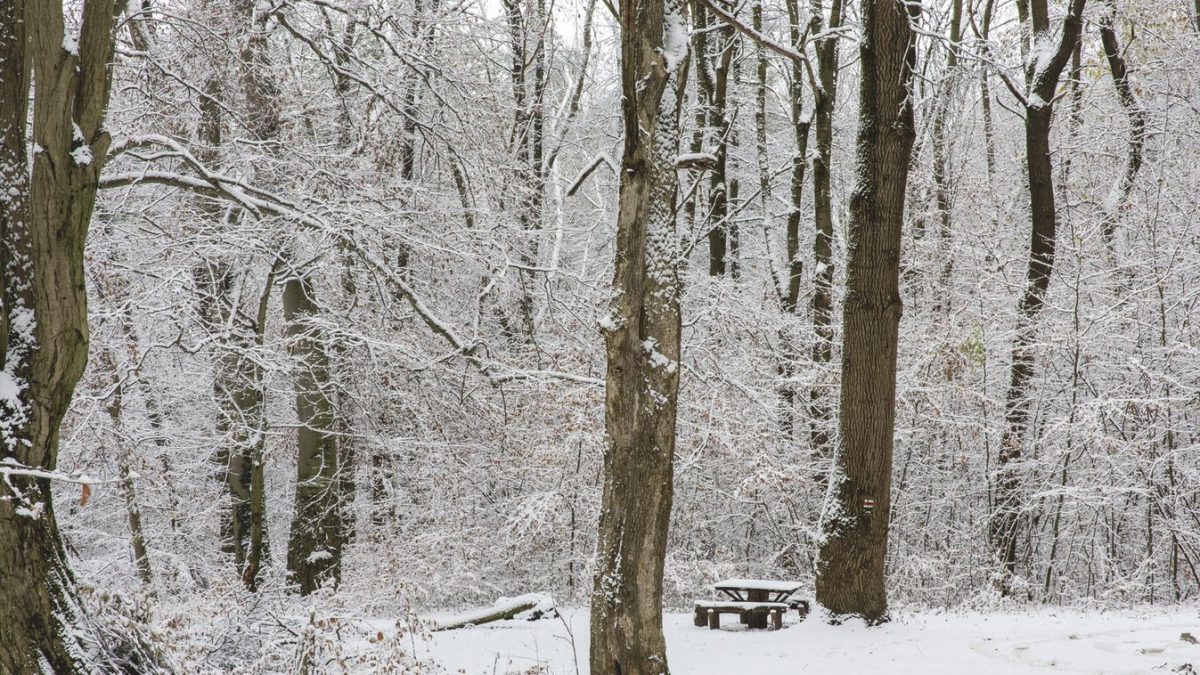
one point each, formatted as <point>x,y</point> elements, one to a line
<point>1143,641</point>
<point>771,585</point>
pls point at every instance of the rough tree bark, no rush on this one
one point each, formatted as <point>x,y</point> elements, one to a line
<point>315,544</point>
<point>642,344</point>
<point>1042,76</point>
<point>44,220</point>
<point>850,567</point>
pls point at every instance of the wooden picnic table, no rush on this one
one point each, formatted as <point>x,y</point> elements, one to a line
<point>757,599</point>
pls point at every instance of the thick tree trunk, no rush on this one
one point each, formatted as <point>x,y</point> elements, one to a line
<point>642,343</point>
<point>850,568</point>
<point>44,221</point>
<point>315,544</point>
<point>1042,77</point>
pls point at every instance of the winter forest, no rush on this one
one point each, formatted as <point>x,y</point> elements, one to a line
<point>325,323</point>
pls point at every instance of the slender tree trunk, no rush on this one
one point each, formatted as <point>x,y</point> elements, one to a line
<point>985,92</point>
<point>44,222</point>
<point>316,540</point>
<point>527,143</point>
<point>854,528</point>
<point>126,487</point>
<point>789,288</point>
<point>642,334</point>
<point>1123,185</point>
<point>1042,77</point>
<point>819,408</point>
<point>943,191</point>
<point>721,235</point>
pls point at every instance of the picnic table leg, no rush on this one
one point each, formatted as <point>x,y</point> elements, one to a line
<point>802,609</point>
<point>701,619</point>
<point>756,619</point>
<point>776,620</point>
<point>714,619</point>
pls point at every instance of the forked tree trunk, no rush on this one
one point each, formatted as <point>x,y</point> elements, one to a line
<point>44,222</point>
<point>1042,79</point>
<point>315,544</point>
<point>854,527</point>
<point>642,344</point>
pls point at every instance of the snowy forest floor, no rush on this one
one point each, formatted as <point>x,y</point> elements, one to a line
<point>1146,640</point>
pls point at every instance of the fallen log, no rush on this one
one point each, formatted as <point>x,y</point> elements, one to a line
<point>530,606</point>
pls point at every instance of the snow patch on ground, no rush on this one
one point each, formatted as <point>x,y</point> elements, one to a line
<point>914,643</point>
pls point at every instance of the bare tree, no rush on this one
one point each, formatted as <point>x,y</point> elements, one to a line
<point>44,222</point>
<point>824,34</point>
<point>642,337</point>
<point>854,527</point>
<point>1048,57</point>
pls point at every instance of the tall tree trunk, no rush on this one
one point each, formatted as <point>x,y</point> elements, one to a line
<point>854,527</point>
<point>527,143</point>
<point>825,95</point>
<point>642,344</point>
<point>1123,185</point>
<point>789,288</point>
<point>721,233</point>
<point>241,422</point>
<point>1042,76</point>
<point>985,92</point>
<point>315,544</point>
<point>943,191</point>
<point>44,222</point>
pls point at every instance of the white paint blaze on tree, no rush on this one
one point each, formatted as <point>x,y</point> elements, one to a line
<point>642,343</point>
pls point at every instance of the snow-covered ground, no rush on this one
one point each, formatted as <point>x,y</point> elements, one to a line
<point>1040,641</point>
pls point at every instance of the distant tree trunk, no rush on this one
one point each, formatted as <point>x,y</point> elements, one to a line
<point>1123,185</point>
<point>642,334</point>
<point>985,92</point>
<point>1042,76</point>
<point>819,408</point>
<point>527,139</point>
<point>316,541</point>
<point>126,487</point>
<point>43,226</point>
<point>850,568</point>
<point>721,234</point>
<point>241,422</point>
<point>943,191</point>
<point>789,288</point>
<point>237,328</point>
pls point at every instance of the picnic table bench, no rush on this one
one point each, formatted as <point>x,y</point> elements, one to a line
<point>759,603</point>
